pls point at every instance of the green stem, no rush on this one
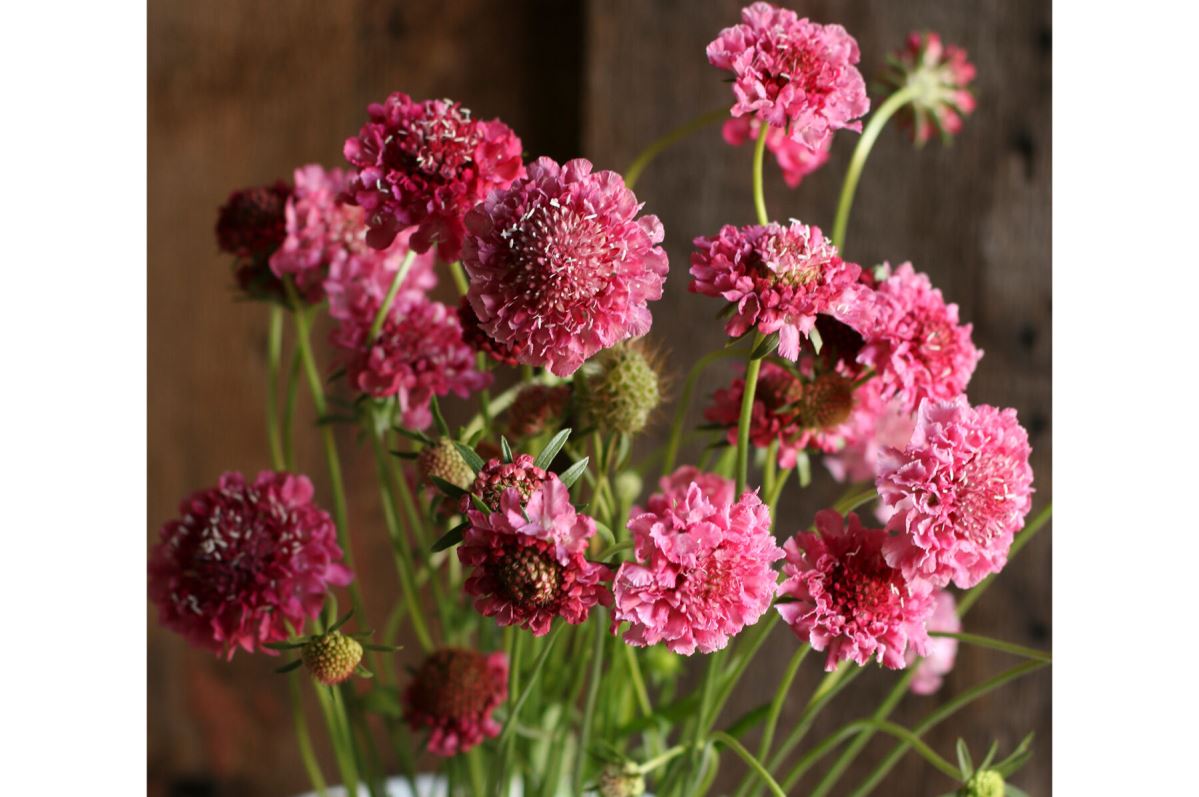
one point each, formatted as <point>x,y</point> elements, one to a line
<point>752,367</point>
<point>997,644</point>
<point>338,738</point>
<point>944,712</point>
<point>852,502</point>
<point>459,277</point>
<point>759,192</point>
<point>274,353</point>
<point>855,728</point>
<point>873,128</point>
<point>772,496</point>
<point>289,411</point>
<point>680,412</point>
<point>663,143</point>
<point>303,738</point>
<point>392,290</point>
<point>780,696</point>
<point>747,757</point>
<point>705,715</point>
<point>597,674</point>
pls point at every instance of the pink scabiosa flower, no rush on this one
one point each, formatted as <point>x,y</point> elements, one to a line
<point>961,489</point>
<point>939,74</point>
<point>424,165</point>
<point>419,353</point>
<point>874,424</point>
<point>779,279</point>
<point>243,561</point>
<point>845,599</point>
<point>452,696</point>
<point>529,558</point>
<point>358,282</point>
<point>561,266</point>
<point>326,238</point>
<point>479,340</point>
<point>916,343</point>
<point>703,569</point>
<point>941,651</point>
<point>792,73</point>
<point>796,159</point>
<point>673,489</point>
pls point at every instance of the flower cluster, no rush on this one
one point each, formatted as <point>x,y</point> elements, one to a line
<point>792,73</point>
<point>703,569</point>
<point>561,266</point>
<point>779,279</point>
<point>243,561</point>
<point>424,165</point>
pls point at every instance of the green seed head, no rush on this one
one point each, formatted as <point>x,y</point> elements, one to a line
<point>984,783</point>
<point>332,658</point>
<point>624,391</point>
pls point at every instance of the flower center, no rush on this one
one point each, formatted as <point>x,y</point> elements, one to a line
<point>981,496</point>
<point>786,259</point>
<point>453,683</point>
<point>826,402</point>
<point>560,256</point>
<point>530,577</point>
<point>440,144</point>
<point>865,590</point>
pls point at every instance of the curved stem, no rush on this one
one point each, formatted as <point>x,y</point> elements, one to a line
<point>663,143</point>
<point>392,290</point>
<point>759,191</point>
<point>747,757</point>
<point>274,353</point>
<point>855,728</point>
<point>776,705</point>
<point>680,412</point>
<point>874,127</point>
<point>772,496</point>
<point>997,644</point>
<point>752,367</point>
<point>303,738</point>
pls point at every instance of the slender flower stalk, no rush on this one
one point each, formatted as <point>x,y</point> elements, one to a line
<point>665,142</point>
<point>303,739</point>
<point>392,290</point>
<point>274,354</point>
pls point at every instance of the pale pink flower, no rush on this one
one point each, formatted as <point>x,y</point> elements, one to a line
<point>419,353</point>
<point>780,279</point>
<point>243,561</point>
<point>529,562</point>
<point>703,570</point>
<point>561,266</point>
<point>961,489</point>
<point>795,159</point>
<point>842,597</point>
<point>673,489</point>
<point>424,165</point>
<point>916,343</point>
<point>941,651</point>
<point>453,695</point>
<point>792,73</point>
<point>942,73</point>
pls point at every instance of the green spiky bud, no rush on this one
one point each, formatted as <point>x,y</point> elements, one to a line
<point>443,461</point>
<point>983,783</point>
<point>624,391</point>
<point>332,658</point>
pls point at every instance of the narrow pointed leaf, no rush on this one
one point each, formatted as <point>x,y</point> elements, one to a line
<point>411,434</point>
<point>381,648</point>
<point>572,474</point>
<point>291,665</point>
<point>452,490</point>
<point>474,460</point>
<point>505,449</point>
<point>766,346</point>
<point>480,505</point>
<point>285,645</point>
<point>405,454</point>
<point>546,457</point>
<point>964,762</point>
<point>363,672</point>
<point>443,428</point>
<point>450,538</point>
<point>342,621</point>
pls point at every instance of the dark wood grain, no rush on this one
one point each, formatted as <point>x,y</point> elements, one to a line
<point>241,92</point>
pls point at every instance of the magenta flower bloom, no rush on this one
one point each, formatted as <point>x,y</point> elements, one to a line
<point>780,279</point>
<point>941,651</point>
<point>358,282</point>
<point>244,560</point>
<point>424,165</point>
<point>916,343</point>
<point>529,559</point>
<point>846,599</point>
<point>795,159</point>
<point>792,73</point>
<point>703,569</point>
<point>453,695</point>
<point>418,354</point>
<point>942,74</point>
<point>561,266</point>
<point>251,223</point>
<point>960,490</point>
<point>673,489</point>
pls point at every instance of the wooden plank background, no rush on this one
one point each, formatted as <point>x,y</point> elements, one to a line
<point>241,92</point>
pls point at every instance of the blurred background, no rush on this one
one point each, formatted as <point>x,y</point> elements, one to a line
<point>242,92</point>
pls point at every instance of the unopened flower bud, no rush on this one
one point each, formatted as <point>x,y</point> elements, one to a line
<point>624,391</point>
<point>621,780</point>
<point>332,658</point>
<point>983,783</point>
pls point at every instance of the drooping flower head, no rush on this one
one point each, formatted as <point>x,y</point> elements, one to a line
<point>796,159</point>
<point>419,353</point>
<point>479,340</point>
<point>424,165</point>
<point>561,266</point>
<point>961,489</point>
<point>529,556</point>
<point>846,600</point>
<point>252,221</point>
<point>792,73</point>
<point>940,75</point>
<point>916,343</point>
<point>780,279</point>
<point>327,238</point>
<point>703,569</point>
<point>536,408</point>
<point>941,651</point>
<point>452,696</point>
<point>243,560</point>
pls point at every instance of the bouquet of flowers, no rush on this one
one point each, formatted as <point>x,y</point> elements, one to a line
<point>557,576</point>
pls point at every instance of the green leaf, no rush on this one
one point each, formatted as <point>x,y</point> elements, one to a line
<point>363,672</point>
<point>964,762</point>
<point>452,490</point>
<point>419,437</point>
<point>546,457</point>
<point>381,648</point>
<point>766,346</point>
<point>572,474</point>
<point>815,339</point>
<point>291,665</point>
<point>505,449</point>
<point>342,621</point>
<point>480,505</point>
<point>990,755</point>
<point>472,459</point>
<point>290,645</point>
<point>443,428</point>
<point>450,538</point>
<point>803,468</point>
<point>606,533</point>
<point>406,454</point>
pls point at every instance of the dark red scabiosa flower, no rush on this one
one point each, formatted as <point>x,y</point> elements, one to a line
<point>452,696</point>
<point>243,561</point>
<point>424,165</point>
<point>252,222</point>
